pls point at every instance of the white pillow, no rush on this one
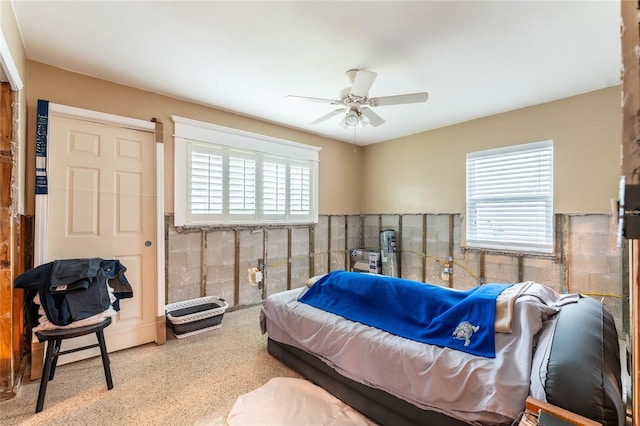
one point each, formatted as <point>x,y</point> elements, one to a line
<point>311,281</point>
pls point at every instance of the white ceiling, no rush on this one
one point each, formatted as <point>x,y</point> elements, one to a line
<point>475,58</point>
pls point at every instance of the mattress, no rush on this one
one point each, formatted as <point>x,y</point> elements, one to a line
<point>473,389</point>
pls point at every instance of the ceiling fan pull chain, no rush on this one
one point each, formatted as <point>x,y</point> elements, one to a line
<point>355,139</point>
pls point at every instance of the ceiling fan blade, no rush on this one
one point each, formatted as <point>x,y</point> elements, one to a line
<point>409,98</point>
<point>328,116</point>
<point>306,98</point>
<point>362,83</point>
<point>373,118</point>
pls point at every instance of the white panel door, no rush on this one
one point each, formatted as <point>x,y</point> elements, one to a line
<point>101,203</point>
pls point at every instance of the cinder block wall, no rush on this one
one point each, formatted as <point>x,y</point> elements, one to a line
<point>216,260</point>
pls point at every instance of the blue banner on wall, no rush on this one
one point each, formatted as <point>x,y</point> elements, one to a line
<point>42,129</point>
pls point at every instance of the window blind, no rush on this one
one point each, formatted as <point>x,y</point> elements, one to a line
<point>225,175</point>
<point>223,186</point>
<point>206,178</point>
<point>510,198</point>
<point>300,189</point>
<point>274,187</point>
<point>242,184</point>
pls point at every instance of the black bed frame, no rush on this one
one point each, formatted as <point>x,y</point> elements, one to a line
<point>376,404</point>
<point>583,373</point>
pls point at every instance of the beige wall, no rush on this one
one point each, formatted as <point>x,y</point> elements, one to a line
<point>339,169</point>
<point>426,172</point>
<point>422,173</point>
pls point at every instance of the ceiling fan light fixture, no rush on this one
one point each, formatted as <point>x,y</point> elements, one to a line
<point>351,119</point>
<point>356,104</point>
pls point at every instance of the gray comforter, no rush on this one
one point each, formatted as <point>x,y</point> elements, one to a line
<point>474,389</point>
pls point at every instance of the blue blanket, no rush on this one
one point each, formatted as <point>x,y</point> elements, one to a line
<point>462,320</point>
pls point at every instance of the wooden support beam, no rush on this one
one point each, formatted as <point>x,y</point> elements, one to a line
<point>7,231</point>
<point>631,168</point>
<point>236,267</point>
<point>329,243</point>
<point>424,248</point>
<point>399,246</point>
<point>203,262</point>
<point>346,243</point>
<point>451,245</point>
<point>520,268</point>
<point>19,265</point>
<point>289,258</point>
<point>312,250</point>
<point>265,261</point>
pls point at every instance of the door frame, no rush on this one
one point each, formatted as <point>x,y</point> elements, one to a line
<point>47,109</point>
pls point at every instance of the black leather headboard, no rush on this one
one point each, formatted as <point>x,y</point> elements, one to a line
<point>583,370</point>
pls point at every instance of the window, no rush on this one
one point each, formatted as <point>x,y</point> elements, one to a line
<point>510,198</point>
<point>228,176</point>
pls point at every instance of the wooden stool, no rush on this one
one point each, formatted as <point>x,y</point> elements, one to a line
<point>55,338</point>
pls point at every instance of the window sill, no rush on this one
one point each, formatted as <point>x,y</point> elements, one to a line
<point>514,253</point>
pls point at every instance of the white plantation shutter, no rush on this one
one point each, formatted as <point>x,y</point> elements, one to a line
<point>510,198</point>
<point>242,184</point>
<point>300,189</point>
<point>274,186</point>
<point>225,176</point>
<point>205,171</point>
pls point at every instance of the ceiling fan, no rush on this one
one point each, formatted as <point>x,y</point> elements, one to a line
<point>356,105</point>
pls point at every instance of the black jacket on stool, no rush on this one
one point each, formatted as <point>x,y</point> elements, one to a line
<point>73,289</point>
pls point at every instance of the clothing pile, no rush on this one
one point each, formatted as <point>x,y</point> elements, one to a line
<point>73,292</point>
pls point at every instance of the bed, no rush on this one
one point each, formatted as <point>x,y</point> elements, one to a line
<point>561,349</point>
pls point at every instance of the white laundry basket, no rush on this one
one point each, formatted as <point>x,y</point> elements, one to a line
<point>195,316</point>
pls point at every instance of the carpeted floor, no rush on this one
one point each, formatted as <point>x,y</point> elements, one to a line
<point>189,381</point>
